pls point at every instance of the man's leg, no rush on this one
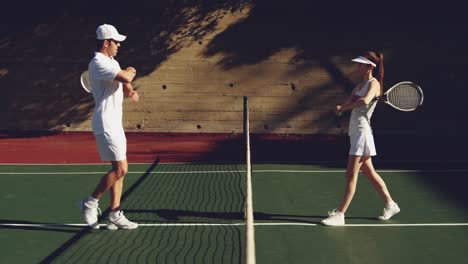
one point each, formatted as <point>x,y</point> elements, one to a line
<point>116,189</point>
<point>119,170</point>
<point>112,180</point>
<point>116,217</point>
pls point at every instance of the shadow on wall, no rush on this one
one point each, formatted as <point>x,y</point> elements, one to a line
<point>421,43</point>
<point>44,48</point>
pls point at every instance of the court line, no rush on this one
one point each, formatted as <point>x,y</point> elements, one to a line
<point>365,225</point>
<point>336,171</point>
<point>130,172</point>
<point>240,224</point>
<point>273,162</point>
<point>222,172</point>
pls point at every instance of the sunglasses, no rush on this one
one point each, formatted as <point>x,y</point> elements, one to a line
<point>113,41</point>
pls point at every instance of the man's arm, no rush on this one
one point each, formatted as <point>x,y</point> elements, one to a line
<point>126,76</point>
<point>129,92</point>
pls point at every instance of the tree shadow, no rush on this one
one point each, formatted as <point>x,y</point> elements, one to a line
<point>86,230</point>
<point>45,47</point>
<point>321,32</point>
<point>417,47</point>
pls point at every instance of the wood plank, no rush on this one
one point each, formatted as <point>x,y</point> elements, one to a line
<point>232,126</point>
<point>225,89</point>
<point>228,116</point>
<point>203,72</point>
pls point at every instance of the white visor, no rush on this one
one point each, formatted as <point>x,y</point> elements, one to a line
<point>364,60</point>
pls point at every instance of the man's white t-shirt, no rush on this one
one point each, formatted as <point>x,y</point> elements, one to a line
<point>107,93</point>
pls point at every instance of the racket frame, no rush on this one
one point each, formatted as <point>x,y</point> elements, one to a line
<point>84,80</point>
<point>384,97</point>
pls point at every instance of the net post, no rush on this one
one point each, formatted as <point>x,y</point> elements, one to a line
<point>249,215</point>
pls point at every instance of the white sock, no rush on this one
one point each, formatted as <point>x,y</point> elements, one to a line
<point>92,199</point>
<point>114,214</point>
<point>391,204</point>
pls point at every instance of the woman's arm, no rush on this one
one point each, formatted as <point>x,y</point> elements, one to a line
<point>370,95</point>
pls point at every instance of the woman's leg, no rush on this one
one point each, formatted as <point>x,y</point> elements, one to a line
<point>336,218</point>
<point>377,181</point>
<point>352,172</point>
<point>391,208</point>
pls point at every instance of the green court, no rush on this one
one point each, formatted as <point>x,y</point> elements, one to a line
<point>193,213</point>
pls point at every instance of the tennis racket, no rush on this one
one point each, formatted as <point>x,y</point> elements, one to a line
<point>403,96</point>
<point>84,79</point>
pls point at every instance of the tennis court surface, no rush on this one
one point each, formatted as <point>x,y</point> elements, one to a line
<point>194,213</point>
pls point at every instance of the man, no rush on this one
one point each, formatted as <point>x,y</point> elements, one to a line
<point>109,83</point>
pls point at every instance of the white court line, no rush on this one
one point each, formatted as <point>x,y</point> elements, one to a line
<point>242,224</point>
<point>222,172</point>
<point>130,172</point>
<point>365,225</point>
<point>104,225</point>
<point>339,171</point>
<point>310,162</point>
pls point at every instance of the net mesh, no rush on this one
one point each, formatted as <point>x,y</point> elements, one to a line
<point>405,96</point>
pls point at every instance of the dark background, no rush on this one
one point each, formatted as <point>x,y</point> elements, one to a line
<point>44,46</point>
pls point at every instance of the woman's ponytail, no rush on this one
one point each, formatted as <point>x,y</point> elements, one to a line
<point>380,74</point>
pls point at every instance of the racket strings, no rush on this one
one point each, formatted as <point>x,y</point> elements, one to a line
<point>405,97</point>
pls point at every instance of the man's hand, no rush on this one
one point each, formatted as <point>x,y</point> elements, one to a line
<point>126,76</point>
<point>131,69</point>
<point>134,96</point>
<point>129,92</point>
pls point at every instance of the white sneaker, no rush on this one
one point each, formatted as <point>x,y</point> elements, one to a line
<point>90,211</point>
<point>389,211</point>
<point>120,221</point>
<point>335,218</point>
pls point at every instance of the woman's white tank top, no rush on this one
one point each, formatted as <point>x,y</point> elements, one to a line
<point>361,116</point>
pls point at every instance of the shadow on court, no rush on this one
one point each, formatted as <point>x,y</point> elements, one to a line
<point>84,231</point>
<point>173,216</point>
<point>42,71</point>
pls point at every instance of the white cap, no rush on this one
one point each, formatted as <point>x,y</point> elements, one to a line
<point>364,60</point>
<point>106,31</point>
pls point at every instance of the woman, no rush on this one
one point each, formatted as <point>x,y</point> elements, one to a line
<point>362,141</point>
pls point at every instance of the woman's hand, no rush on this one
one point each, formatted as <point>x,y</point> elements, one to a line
<point>338,109</point>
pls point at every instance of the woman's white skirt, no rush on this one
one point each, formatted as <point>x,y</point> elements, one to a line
<point>362,144</point>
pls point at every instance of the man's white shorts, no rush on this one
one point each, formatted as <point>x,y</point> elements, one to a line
<point>362,144</point>
<point>112,146</point>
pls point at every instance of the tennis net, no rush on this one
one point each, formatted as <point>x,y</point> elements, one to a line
<point>249,216</point>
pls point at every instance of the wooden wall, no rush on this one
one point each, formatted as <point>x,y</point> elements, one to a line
<point>193,92</point>
<point>196,60</point>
